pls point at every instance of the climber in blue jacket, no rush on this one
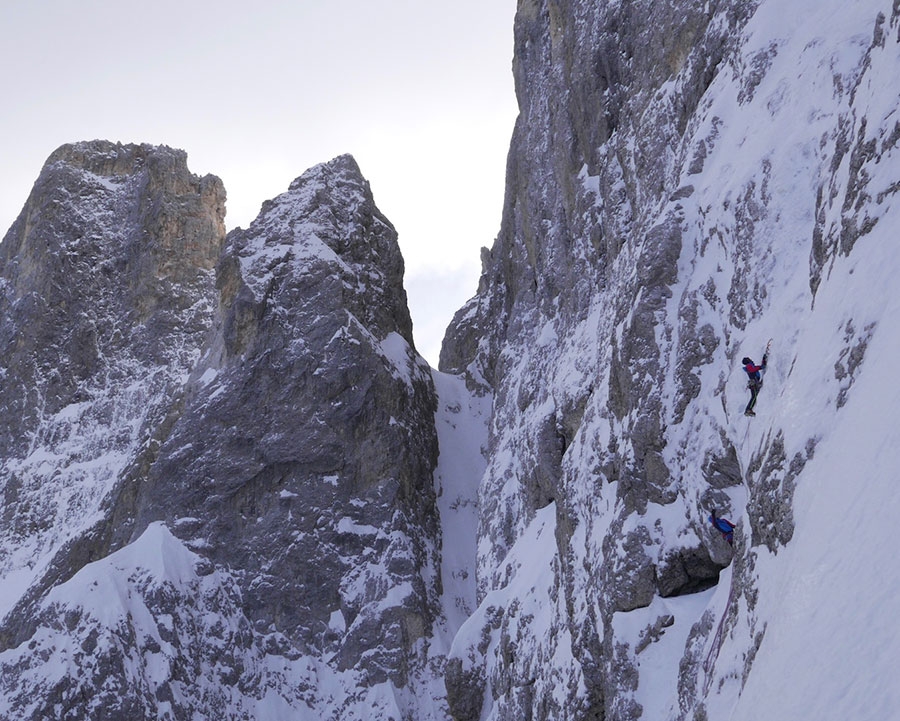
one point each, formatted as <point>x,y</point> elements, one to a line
<point>724,526</point>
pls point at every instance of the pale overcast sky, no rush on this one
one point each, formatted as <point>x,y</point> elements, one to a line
<point>420,92</point>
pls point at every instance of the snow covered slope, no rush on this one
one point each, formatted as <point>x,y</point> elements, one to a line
<point>232,489</point>
<point>686,182</point>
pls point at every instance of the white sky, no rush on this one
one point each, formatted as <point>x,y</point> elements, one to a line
<point>420,92</point>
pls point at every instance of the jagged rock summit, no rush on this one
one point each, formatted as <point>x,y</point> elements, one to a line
<point>108,290</point>
<point>232,489</point>
<point>220,483</point>
<point>303,458</point>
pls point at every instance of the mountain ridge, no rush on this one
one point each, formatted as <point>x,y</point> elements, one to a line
<point>233,489</point>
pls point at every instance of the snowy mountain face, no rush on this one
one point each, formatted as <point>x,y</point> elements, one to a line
<point>108,288</point>
<point>233,490</point>
<point>686,181</point>
<point>232,513</point>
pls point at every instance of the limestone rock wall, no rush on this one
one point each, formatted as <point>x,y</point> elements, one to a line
<point>232,489</point>
<point>665,215</point>
<point>305,453</point>
<point>108,291</point>
<point>218,453</point>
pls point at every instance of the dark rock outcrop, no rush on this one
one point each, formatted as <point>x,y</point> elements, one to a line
<point>305,452</point>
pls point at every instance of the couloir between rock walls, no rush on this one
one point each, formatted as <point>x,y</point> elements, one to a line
<point>232,488</point>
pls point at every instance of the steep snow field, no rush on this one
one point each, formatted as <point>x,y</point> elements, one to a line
<point>831,597</point>
<point>828,599</point>
<point>461,422</point>
<point>787,212</point>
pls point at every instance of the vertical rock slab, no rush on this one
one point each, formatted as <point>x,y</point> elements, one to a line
<point>303,461</point>
<point>107,291</point>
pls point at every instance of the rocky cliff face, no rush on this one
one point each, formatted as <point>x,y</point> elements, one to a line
<point>304,456</point>
<point>232,489</point>
<point>249,424</point>
<point>108,289</point>
<point>676,174</point>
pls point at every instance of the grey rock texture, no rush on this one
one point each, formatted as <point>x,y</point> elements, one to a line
<point>120,233</point>
<point>227,475</point>
<point>304,455</point>
<point>108,291</point>
<point>571,310</point>
<point>648,237</point>
<point>254,407</point>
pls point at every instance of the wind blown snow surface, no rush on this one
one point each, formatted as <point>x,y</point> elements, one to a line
<point>828,599</point>
<point>461,421</point>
